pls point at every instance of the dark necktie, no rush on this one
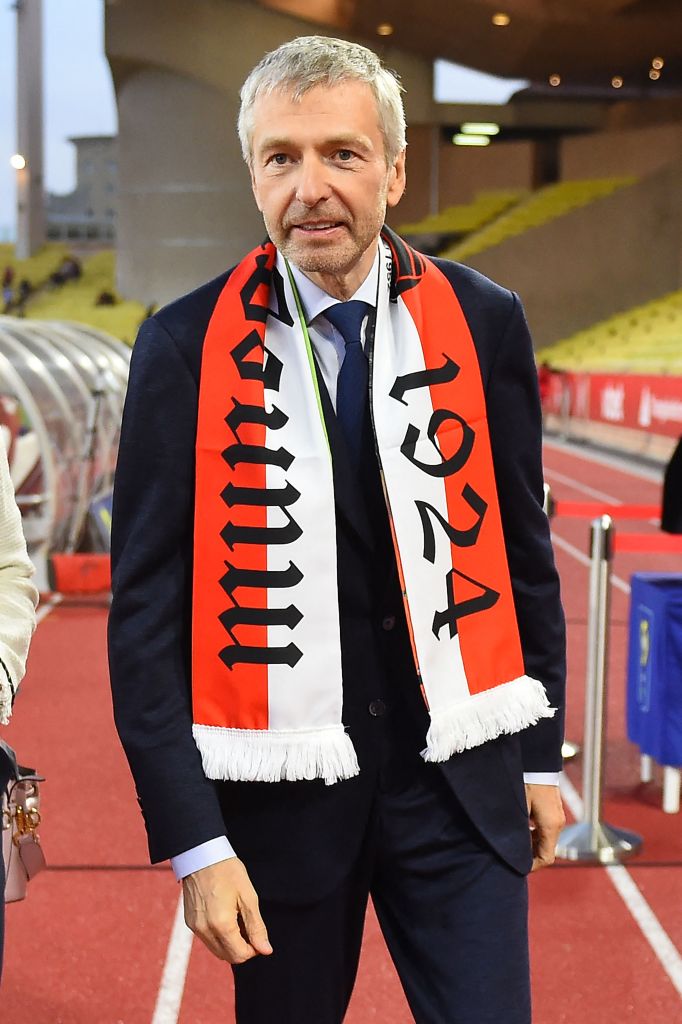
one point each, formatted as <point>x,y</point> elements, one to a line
<point>353,379</point>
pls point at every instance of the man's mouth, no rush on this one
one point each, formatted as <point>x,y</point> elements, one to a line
<point>318,226</point>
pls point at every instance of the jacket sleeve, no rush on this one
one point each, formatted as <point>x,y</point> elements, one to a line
<point>149,623</point>
<point>515,423</point>
<point>18,596</point>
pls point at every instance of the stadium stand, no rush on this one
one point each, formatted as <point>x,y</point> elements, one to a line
<point>463,219</point>
<point>36,270</point>
<point>77,301</point>
<point>541,207</point>
<point>645,339</point>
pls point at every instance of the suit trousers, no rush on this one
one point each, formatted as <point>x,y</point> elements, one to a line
<point>453,914</point>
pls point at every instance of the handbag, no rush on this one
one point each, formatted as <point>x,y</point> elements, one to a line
<point>21,850</point>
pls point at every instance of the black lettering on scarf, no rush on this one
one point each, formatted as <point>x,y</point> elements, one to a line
<point>457,610</point>
<point>424,378</point>
<point>233,533</point>
<point>241,414</point>
<point>233,495</point>
<point>465,538</point>
<point>256,311</point>
<point>239,616</point>
<point>446,467</point>
<point>255,362</point>
<point>268,370</point>
<point>247,655</point>
<point>457,536</point>
<point>259,578</point>
<point>257,455</point>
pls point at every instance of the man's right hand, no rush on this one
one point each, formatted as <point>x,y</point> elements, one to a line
<point>221,908</point>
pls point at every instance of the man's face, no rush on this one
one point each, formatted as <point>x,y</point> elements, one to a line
<point>320,178</point>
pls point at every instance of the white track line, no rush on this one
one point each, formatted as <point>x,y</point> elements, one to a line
<point>581,557</point>
<point>49,606</point>
<point>172,985</point>
<point>553,474</point>
<point>624,884</point>
<point>603,459</point>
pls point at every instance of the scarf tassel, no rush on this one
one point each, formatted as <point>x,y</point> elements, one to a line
<point>507,708</point>
<point>261,755</point>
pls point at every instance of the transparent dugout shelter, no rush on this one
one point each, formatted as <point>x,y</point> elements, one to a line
<point>62,387</point>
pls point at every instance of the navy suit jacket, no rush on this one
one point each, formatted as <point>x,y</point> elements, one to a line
<point>298,839</point>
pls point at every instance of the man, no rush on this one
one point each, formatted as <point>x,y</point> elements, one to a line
<point>329,556</point>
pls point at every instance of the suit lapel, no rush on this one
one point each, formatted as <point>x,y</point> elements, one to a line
<point>348,495</point>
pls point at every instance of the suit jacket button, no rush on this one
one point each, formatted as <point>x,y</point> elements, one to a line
<point>388,623</point>
<point>377,708</point>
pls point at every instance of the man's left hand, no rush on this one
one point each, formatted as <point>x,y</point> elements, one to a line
<point>547,818</point>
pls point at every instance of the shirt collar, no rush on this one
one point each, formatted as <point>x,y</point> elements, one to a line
<point>315,300</point>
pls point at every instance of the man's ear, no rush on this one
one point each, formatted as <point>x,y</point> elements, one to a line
<point>397,179</point>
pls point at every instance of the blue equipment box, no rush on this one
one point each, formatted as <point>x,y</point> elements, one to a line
<point>655,666</point>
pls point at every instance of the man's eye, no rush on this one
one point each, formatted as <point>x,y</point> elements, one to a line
<point>345,154</point>
<point>279,159</point>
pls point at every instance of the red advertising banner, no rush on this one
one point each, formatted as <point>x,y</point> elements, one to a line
<point>649,403</point>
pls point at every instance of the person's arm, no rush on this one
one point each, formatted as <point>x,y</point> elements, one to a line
<point>149,643</point>
<point>149,622</point>
<point>515,423</point>
<point>516,437</point>
<point>18,595</point>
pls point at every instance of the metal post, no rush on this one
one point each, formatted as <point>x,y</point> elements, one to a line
<point>30,185</point>
<point>568,749</point>
<point>565,409</point>
<point>591,839</point>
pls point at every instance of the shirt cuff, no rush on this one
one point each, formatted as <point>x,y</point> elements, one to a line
<point>201,856</point>
<point>541,778</point>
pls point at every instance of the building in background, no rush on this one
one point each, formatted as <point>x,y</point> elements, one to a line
<point>88,214</point>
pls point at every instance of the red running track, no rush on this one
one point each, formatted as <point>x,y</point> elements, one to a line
<point>90,944</point>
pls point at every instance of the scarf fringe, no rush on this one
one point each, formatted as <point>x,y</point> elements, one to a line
<point>506,708</point>
<point>261,755</point>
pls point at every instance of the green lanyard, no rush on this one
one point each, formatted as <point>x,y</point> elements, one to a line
<point>309,352</point>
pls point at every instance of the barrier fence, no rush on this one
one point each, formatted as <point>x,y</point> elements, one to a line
<point>592,839</point>
<point>638,401</point>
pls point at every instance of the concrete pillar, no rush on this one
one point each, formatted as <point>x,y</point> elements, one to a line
<point>185,206</point>
<point>30,199</point>
<point>186,212</point>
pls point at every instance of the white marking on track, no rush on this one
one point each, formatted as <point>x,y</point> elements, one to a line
<point>49,606</point>
<point>581,557</point>
<point>621,463</point>
<point>554,474</point>
<point>169,998</point>
<point>626,887</point>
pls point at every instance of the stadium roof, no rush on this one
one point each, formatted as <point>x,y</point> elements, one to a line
<point>586,42</point>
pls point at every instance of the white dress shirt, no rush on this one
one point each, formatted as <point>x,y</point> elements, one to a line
<point>329,348</point>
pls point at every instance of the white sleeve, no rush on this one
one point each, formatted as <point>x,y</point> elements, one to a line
<point>541,778</point>
<point>18,596</point>
<point>201,856</point>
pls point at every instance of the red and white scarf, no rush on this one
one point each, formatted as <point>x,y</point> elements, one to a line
<point>267,684</point>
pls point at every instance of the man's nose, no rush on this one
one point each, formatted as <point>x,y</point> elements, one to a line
<point>313,185</point>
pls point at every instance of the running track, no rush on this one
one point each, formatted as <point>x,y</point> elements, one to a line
<point>98,941</point>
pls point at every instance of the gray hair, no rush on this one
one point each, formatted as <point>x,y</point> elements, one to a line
<point>304,63</point>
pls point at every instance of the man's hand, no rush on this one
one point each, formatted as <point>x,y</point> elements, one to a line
<point>546,815</point>
<point>221,908</point>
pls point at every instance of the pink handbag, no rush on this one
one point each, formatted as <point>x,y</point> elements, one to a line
<point>21,850</point>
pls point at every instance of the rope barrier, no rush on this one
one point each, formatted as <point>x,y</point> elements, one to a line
<point>592,509</point>
<point>649,542</point>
